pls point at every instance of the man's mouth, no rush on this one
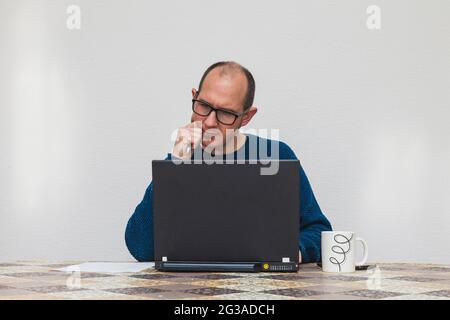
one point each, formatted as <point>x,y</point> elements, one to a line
<point>210,136</point>
<point>207,140</point>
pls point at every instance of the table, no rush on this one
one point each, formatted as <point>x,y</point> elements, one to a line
<point>39,280</point>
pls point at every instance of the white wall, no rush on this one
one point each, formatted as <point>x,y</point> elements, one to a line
<point>84,112</point>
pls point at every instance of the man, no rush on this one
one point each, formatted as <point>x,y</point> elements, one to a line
<point>222,105</point>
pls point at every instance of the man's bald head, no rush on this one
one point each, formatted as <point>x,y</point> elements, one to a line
<point>233,69</point>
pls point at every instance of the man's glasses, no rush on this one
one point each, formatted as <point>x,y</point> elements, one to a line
<point>203,108</point>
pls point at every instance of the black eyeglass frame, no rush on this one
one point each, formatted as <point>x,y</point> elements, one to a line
<point>215,109</point>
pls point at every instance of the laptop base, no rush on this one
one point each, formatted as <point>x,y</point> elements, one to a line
<point>186,266</point>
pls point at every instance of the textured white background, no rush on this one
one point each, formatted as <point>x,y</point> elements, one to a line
<point>83,113</point>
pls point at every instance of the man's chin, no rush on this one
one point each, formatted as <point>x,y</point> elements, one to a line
<point>210,145</point>
<point>206,143</point>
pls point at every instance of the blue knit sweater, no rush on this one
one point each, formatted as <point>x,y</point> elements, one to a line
<point>139,230</point>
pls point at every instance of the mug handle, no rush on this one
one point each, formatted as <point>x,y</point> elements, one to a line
<point>366,252</point>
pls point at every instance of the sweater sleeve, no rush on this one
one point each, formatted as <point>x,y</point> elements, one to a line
<point>312,220</point>
<point>139,230</point>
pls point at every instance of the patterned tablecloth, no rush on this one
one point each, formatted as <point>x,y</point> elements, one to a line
<point>39,280</point>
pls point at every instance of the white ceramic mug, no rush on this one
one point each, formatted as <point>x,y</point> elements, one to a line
<point>338,251</point>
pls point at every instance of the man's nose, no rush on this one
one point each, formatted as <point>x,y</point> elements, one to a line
<point>211,120</point>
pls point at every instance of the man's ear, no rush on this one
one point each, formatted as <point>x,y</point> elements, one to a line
<point>194,92</point>
<point>249,115</point>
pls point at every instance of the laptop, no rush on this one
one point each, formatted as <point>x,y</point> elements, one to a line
<point>226,216</point>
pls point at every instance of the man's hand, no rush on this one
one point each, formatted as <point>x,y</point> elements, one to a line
<point>188,138</point>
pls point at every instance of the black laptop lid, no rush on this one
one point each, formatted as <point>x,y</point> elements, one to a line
<point>225,212</point>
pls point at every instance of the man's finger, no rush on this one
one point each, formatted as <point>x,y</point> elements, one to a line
<point>197,124</point>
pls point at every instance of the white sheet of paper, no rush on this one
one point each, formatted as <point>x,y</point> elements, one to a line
<point>109,267</point>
